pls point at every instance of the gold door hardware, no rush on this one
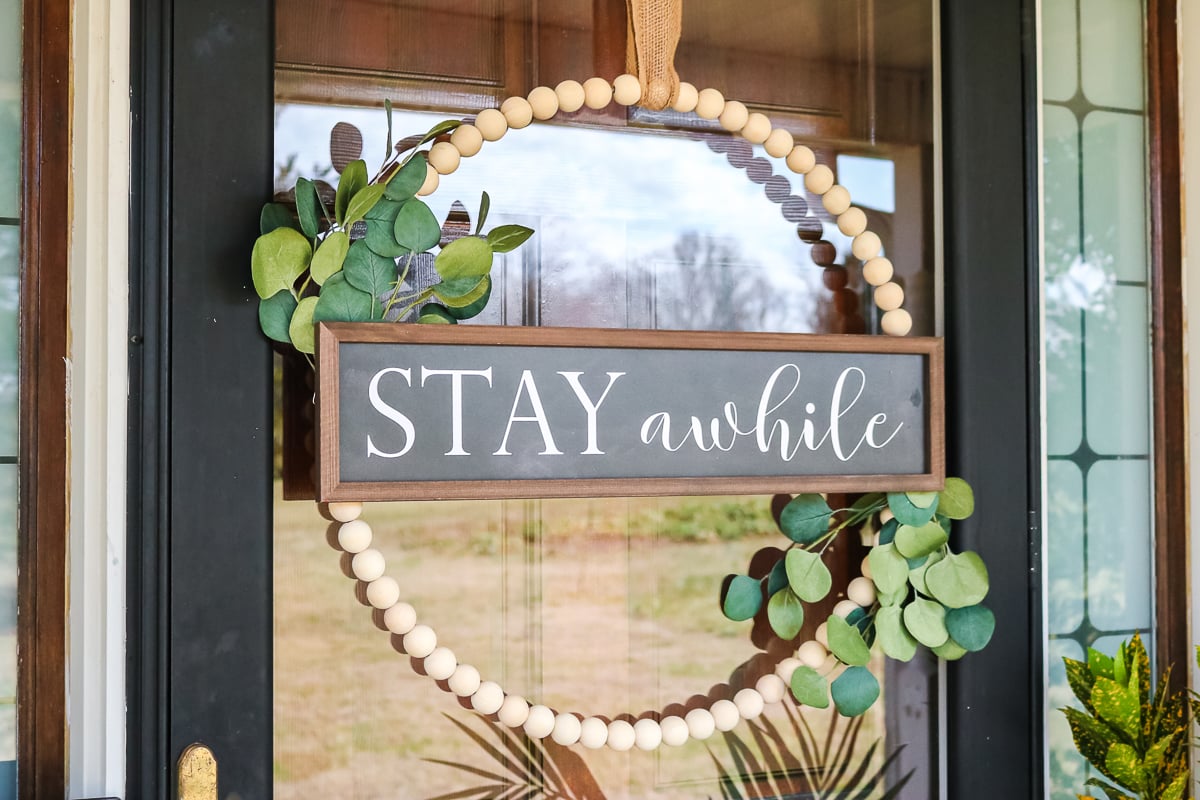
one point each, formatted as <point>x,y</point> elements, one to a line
<point>197,773</point>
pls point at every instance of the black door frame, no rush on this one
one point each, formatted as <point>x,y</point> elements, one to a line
<point>200,492</point>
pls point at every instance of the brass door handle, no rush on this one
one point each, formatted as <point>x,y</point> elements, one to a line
<point>197,770</point>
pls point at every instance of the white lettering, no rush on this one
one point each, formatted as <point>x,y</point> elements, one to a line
<point>395,416</point>
<point>527,386</point>
<point>589,407</point>
<point>456,404</point>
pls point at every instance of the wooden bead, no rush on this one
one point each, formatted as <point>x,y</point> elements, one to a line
<point>786,667</point>
<point>812,654</point>
<point>345,512</point>
<point>819,179</point>
<point>801,159</point>
<point>444,157</point>
<point>725,715</point>
<point>887,297</point>
<point>877,272</point>
<point>866,246</point>
<point>836,200</point>
<point>852,221</point>
<point>492,124</point>
<point>734,116</point>
<point>821,634</point>
<point>896,322</point>
<point>865,567</point>
<point>539,723</point>
<point>488,698</point>
<point>354,536</point>
<point>700,723</point>
<point>886,515</point>
<point>627,91</point>
<point>570,99</point>
<point>597,93</point>
<point>420,641</point>
<point>685,101</point>
<point>513,711</point>
<point>845,608</point>
<point>400,618</point>
<point>620,735</point>
<point>383,593</point>
<point>647,734</point>
<point>567,729</point>
<point>431,181</point>
<point>749,703</point>
<point>757,128</point>
<point>518,112</point>
<point>709,104</point>
<point>674,731</point>
<point>543,103</point>
<point>862,591</point>
<point>779,143</point>
<point>593,733</point>
<point>465,680</point>
<point>467,140</point>
<point>771,687</point>
<point>368,565</point>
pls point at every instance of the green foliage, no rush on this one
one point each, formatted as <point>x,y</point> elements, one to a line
<point>1136,740</point>
<point>353,266</point>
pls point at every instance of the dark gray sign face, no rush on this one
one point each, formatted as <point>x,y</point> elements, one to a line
<point>433,418</point>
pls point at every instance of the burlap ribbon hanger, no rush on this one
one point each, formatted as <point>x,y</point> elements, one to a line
<point>653,34</point>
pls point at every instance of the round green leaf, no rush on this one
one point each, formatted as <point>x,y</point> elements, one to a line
<point>805,519</point>
<point>276,215</point>
<point>921,499</point>
<point>743,598</point>
<point>473,308</point>
<point>341,302</point>
<point>467,257</point>
<point>951,650</point>
<point>460,292</point>
<point>914,542</point>
<point>971,626</point>
<point>354,178</point>
<point>368,271</point>
<point>807,575</point>
<point>300,329</point>
<point>894,638</point>
<point>926,621</point>
<point>433,314</point>
<point>275,315</point>
<point>416,229</point>
<point>855,691</point>
<point>778,578</point>
<point>959,580</point>
<point>907,512</point>
<point>916,575</point>
<point>362,202</point>
<point>892,598</point>
<point>279,258</point>
<point>889,569</point>
<point>508,237</point>
<point>956,500</point>
<point>887,534</point>
<point>809,688</point>
<point>846,642</point>
<point>408,179</point>
<point>785,612</point>
<point>308,208</point>
<point>330,256</point>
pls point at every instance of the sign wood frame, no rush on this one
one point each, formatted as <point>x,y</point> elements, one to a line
<point>331,487</point>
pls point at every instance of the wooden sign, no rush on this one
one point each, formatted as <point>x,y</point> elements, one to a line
<point>439,412</point>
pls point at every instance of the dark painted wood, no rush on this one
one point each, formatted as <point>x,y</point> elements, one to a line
<point>42,514</point>
<point>1171,632</point>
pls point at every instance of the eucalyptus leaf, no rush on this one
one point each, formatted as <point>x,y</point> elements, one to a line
<point>341,302</point>
<point>807,575</point>
<point>810,688</point>
<point>275,316</point>
<point>958,580</point>
<point>846,642</point>
<point>416,228</point>
<point>887,533</point>
<point>461,292</point>
<point>806,518</point>
<point>867,501</point>
<point>889,569</point>
<point>276,215</point>
<point>916,575</point>
<point>949,650</point>
<point>956,500</point>
<point>474,308</point>
<point>777,579</point>
<point>914,542</point>
<point>785,613</point>
<point>433,314</point>
<point>895,598</point>
<point>445,126</point>
<point>854,691</point>
<point>921,499</point>
<point>300,329</point>
<point>894,638</point>
<point>909,513</point>
<point>405,182</point>
<point>971,626</point>
<point>308,208</point>
<point>353,181</point>
<point>485,204</point>
<point>926,621</point>
<point>362,202</point>
<point>278,259</point>
<point>467,257</point>
<point>508,237</point>
<point>368,271</point>
<point>330,256</point>
<point>743,598</point>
